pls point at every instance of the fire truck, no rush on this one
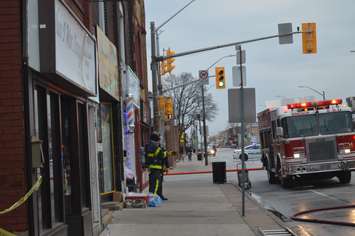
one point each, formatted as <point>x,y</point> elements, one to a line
<point>308,140</point>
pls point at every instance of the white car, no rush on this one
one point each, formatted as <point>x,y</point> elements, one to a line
<point>253,149</point>
<point>211,151</point>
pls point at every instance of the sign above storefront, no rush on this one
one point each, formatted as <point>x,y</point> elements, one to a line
<point>108,66</point>
<point>67,48</point>
<point>75,50</point>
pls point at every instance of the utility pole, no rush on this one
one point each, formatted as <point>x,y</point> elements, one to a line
<point>239,48</point>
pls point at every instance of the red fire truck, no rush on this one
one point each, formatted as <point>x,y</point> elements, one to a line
<point>312,140</point>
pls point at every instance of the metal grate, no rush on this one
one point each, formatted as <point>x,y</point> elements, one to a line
<point>275,232</point>
<point>322,150</point>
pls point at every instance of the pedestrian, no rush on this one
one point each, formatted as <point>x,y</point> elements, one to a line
<point>156,160</point>
<point>189,152</point>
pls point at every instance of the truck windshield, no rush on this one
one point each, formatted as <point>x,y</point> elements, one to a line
<point>309,125</point>
<point>300,126</point>
<point>338,122</point>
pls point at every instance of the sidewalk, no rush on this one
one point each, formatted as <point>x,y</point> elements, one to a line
<point>195,207</point>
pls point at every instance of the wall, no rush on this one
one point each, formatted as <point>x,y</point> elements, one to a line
<point>12,130</point>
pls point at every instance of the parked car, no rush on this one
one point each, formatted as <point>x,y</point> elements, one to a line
<point>253,149</point>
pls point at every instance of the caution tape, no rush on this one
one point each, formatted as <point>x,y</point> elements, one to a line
<point>21,201</point>
<point>6,233</point>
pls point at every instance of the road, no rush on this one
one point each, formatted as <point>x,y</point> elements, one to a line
<point>287,202</point>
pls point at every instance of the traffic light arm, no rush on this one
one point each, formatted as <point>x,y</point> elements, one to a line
<point>161,58</point>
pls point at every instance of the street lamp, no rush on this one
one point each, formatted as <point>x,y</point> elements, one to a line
<point>220,59</point>
<point>157,88</point>
<point>314,90</point>
<point>157,32</point>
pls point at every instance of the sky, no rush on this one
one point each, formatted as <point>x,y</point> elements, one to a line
<point>274,70</point>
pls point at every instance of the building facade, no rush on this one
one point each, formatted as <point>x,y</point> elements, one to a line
<point>63,72</point>
<point>136,92</point>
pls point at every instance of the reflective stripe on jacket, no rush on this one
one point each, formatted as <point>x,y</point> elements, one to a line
<point>155,157</point>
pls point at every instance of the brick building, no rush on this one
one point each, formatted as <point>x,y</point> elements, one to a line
<point>13,144</point>
<point>64,83</point>
<point>136,93</point>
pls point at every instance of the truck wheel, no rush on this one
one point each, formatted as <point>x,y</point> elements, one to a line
<point>286,182</point>
<point>345,177</point>
<point>271,177</point>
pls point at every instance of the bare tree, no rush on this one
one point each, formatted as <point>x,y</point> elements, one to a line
<point>188,100</point>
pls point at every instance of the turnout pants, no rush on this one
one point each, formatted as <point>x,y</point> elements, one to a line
<point>155,181</point>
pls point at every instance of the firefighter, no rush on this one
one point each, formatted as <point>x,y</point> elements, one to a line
<point>156,161</point>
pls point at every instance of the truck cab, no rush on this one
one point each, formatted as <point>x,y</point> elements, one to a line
<point>312,140</point>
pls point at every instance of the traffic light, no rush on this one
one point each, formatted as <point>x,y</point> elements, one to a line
<point>220,78</point>
<point>309,38</point>
<point>163,68</point>
<point>169,108</point>
<point>169,62</point>
<point>161,104</point>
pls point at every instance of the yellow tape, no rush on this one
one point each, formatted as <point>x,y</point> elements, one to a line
<point>6,233</point>
<point>23,199</point>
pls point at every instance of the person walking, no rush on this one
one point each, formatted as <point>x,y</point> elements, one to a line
<point>189,152</point>
<point>156,160</point>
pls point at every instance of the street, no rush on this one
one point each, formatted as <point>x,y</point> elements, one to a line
<point>287,202</point>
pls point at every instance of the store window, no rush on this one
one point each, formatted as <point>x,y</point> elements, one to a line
<point>47,129</point>
<point>107,150</point>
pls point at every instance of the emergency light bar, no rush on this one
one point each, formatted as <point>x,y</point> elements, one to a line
<point>314,104</point>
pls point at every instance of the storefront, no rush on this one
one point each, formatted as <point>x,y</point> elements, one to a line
<point>108,138</point>
<point>133,130</point>
<point>62,117</point>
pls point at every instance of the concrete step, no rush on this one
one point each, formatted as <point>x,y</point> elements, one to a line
<point>106,217</point>
<point>113,206</point>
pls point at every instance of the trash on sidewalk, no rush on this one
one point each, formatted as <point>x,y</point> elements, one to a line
<point>154,200</point>
<point>136,200</point>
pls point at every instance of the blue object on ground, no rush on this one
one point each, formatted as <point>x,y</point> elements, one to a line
<point>154,201</point>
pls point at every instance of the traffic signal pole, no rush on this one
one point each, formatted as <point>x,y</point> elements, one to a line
<point>239,48</point>
<point>204,124</point>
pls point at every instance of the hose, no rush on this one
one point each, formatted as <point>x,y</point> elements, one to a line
<point>210,171</point>
<point>297,217</point>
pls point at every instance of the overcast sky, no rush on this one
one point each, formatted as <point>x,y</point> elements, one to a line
<point>274,70</point>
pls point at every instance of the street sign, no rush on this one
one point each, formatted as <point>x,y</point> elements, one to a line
<point>236,76</point>
<point>203,75</point>
<point>234,105</point>
<point>243,57</point>
<point>285,28</point>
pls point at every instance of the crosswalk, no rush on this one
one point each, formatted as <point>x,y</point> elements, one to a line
<point>275,232</point>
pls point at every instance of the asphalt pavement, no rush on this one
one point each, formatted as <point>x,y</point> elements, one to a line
<point>317,194</point>
<point>284,203</point>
